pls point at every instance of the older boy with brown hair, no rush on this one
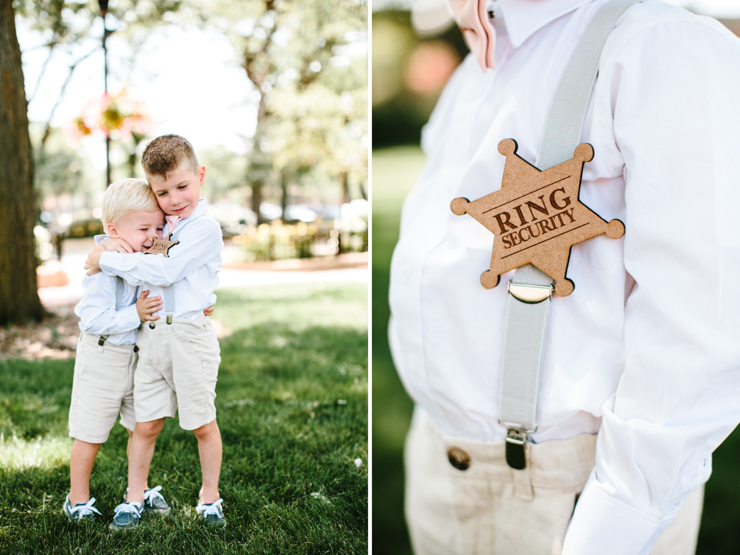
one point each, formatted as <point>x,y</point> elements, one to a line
<point>178,365</point>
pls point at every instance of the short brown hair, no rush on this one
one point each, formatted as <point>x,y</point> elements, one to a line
<point>165,154</point>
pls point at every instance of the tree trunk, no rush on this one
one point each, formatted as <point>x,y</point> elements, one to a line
<point>256,187</point>
<point>259,160</point>
<point>363,192</point>
<point>283,194</point>
<point>19,299</point>
<point>344,181</point>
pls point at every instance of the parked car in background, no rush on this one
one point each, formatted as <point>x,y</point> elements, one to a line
<point>300,213</point>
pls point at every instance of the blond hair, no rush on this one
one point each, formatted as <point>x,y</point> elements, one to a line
<point>165,154</point>
<point>126,196</point>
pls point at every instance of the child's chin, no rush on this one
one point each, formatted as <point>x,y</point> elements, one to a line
<point>184,214</point>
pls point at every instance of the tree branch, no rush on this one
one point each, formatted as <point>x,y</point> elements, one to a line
<point>47,129</point>
<point>43,70</point>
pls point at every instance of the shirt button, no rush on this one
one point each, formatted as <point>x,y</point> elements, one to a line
<point>458,458</point>
<point>151,325</point>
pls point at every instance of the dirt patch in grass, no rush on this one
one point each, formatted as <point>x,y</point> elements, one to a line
<point>55,337</point>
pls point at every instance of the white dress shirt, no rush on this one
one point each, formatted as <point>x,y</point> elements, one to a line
<point>191,268</point>
<point>99,314</point>
<point>645,351</point>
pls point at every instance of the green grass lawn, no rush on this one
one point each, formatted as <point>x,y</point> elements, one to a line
<point>394,172</point>
<point>292,408</point>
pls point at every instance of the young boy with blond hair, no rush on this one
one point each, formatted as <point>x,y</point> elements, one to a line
<point>110,315</point>
<point>180,355</point>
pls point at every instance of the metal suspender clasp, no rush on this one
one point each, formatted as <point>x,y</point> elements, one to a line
<point>530,294</point>
<point>102,339</point>
<point>515,451</point>
<point>516,440</point>
<point>169,317</point>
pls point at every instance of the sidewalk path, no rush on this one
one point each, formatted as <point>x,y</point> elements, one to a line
<point>348,269</point>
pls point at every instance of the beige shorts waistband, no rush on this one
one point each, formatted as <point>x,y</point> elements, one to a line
<point>161,325</point>
<point>552,464</point>
<point>94,340</point>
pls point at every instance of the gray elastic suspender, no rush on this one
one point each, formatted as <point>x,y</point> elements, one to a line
<point>169,292</point>
<point>169,303</point>
<point>530,290</point>
<point>120,291</point>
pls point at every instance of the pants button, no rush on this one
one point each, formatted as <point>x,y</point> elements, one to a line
<point>151,325</point>
<point>458,458</point>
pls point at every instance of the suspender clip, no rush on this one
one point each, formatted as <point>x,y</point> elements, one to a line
<point>169,317</point>
<point>102,339</point>
<point>530,294</point>
<point>515,451</point>
<point>516,440</point>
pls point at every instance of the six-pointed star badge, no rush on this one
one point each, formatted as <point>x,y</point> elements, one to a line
<point>162,246</point>
<point>536,217</point>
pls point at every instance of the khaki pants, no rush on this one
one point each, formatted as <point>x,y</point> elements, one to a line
<point>490,508</point>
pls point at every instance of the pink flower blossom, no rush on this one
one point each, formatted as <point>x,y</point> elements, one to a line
<point>106,114</point>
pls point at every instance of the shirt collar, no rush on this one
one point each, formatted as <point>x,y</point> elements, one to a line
<point>173,221</point>
<point>201,209</point>
<point>523,18</point>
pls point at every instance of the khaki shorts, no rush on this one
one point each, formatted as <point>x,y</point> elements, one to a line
<point>103,387</point>
<point>178,368</point>
<point>488,508</point>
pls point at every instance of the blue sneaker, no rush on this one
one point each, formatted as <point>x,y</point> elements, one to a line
<point>81,511</point>
<point>127,516</point>
<point>212,513</point>
<point>154,501</point>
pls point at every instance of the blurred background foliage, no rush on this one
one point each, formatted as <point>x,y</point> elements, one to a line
<point>410,69</point>
<point>413,56</point>
<point>416,47</point>
<point>395,171</point>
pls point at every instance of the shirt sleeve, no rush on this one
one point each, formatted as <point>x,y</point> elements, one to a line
<point>100,239</point>
<point>200,241</point>
<point>674,91</point>
<point>97,310</point>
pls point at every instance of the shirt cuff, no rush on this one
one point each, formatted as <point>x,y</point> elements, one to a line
<point>606,526</point>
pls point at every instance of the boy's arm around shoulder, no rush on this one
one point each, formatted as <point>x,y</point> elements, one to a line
<point>674,90</point>
<point>97,309</point>
<point>200,242</point>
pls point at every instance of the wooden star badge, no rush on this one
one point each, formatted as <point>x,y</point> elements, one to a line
<point>162,246</point>
<point>536,217</point>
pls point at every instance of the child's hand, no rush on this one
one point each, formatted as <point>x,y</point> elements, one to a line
<point>208,311</point>
<point>147,307</point>
<point>92,264</point>
<point>118,245</point>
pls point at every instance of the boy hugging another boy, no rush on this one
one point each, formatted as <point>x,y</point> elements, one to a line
<point>179,353</point>
<point>110,315</point>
